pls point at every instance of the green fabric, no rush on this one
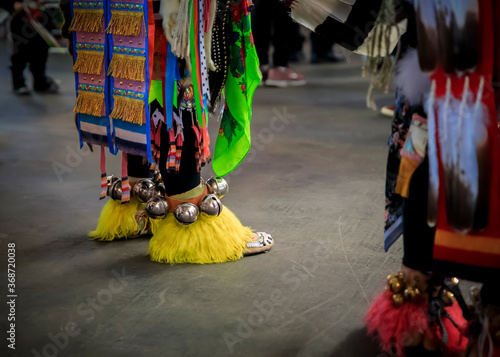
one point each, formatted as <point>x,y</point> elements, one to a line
<point>175,94</point>
<point>234,138</point>
<point>156,92</point>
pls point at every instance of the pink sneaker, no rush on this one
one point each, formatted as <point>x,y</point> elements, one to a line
<point>284,77</point>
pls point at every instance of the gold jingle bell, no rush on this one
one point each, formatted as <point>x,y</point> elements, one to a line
<point>448,297</point>
<point>395,285</point>
<point>411,294</point>
<point>389,277</point>
<point>398,300</point>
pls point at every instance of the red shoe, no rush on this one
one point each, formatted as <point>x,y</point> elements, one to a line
<point>285,77</point>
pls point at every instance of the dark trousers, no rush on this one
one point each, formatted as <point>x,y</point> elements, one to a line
<point>271,21</point>
<point>27,48</point>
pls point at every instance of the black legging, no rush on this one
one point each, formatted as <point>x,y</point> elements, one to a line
<point>187,178</point>
<point>418,237</point>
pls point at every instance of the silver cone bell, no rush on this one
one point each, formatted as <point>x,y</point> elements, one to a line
<point>186,213</point>
<point>211,205</point>
<point>115,190</point>
<point>217,186</point>
<point>157,207</point>
<point>143,189</point>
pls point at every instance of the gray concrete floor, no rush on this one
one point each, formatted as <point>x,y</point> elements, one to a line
<point>314,180</point>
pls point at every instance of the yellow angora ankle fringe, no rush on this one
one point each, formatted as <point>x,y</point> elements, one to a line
<point>116,221</point>
<point>208,240</point>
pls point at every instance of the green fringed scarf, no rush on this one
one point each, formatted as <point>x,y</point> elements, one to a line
<point>234,140</point>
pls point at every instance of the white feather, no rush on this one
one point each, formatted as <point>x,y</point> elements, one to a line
<point>433,161</point>
<point>312,13</point>
<point>169,10</point>
<point>410,80</point>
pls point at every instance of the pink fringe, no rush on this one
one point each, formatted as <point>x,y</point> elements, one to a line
<point>393,326</point>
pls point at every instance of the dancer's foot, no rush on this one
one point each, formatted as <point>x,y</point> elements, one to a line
<point>285,77</point>
<point>119,221</point>
<point>46,85</point>
<point>262,242</point>
<point>21,90</point>
<point>416,312</point>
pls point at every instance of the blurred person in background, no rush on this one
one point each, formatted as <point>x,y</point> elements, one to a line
<point>322,50</point>
<point>271,22</point>
<point>27,46</point>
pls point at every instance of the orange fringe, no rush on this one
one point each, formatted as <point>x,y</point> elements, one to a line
<point>127,66</point>
<point>128,109</point>
<point>126,23</point>
<point>91,103</point>
<point>87,20</point>
<point>89,62</point>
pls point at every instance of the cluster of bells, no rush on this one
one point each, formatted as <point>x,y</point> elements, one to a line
<point>152,192</point>
<point>402,293</point>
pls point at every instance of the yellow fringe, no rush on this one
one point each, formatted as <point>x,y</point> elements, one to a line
<point>208,240</point>
<point>89,62</point>
<point>127,66</point>
<point>87,20</point>
<point>127,23</point>
<point>89,103</point>
<point>118,221</point>
<point>128,109</point>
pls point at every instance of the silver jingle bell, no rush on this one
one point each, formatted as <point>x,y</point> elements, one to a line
<point>115,190</point>
<point>211,205</point>
<point>211,185</point>
<point>186,213</point>
<point>142,189</point>
<point>157,207</point>
<point>111,179</point>
<point>217,186</point>
<point>158,190</point>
